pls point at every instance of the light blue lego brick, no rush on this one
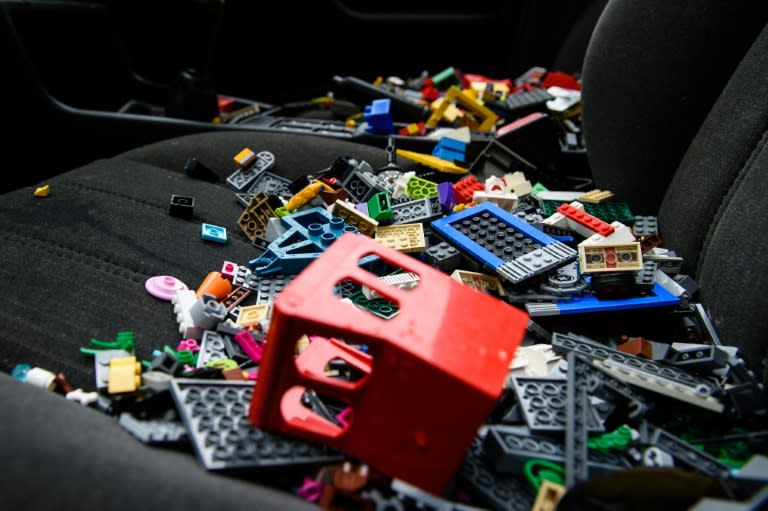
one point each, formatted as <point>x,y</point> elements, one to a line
<point>215,233</point>
<point>379,107</point>
<point>588,304</point>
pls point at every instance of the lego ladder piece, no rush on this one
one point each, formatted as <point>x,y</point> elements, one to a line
<point>447,344</point>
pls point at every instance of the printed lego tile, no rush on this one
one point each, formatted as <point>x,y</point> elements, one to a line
<point>610,258</point>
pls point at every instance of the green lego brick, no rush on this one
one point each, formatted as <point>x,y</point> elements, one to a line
<point>378,306</point>
<point>380,207</point>
<point>445,78</point>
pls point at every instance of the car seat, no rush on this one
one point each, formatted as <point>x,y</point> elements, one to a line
<point>675,120</point>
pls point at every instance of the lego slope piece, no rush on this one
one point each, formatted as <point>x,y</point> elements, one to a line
<point>502,242</point>
<point>448,344</point>
<point>215,416</point>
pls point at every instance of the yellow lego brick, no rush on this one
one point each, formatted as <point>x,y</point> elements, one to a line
<point>479,281</point>
<point>472,93</point>
<point>449,112</point>
<point>42,191</point>
<point>432,162</point>
<point>485,118</point>
<point>595,196</point>
<point>403,237</point>
<point>347,212</point>
<point>412,129</point>
<point>602,258</point>
<point>252,315</point>
<point>245,158</point>
<point>124,375</point>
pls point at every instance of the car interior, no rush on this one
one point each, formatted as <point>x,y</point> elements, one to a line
<point>117,107</point>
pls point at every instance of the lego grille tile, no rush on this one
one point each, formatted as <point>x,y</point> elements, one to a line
<point>215,415</point>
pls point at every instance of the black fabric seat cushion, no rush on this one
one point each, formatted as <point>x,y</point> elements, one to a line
<point>60,455</point>
<point>74,264</point>
<point>715,207</point>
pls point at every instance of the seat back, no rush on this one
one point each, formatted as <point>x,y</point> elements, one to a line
<point>675,119</point>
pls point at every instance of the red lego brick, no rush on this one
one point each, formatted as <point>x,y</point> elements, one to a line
<point>560,79</point>
<point>583,218</point>
<point>432,374</point>
<point>226,104</point>
<point>465,188</point>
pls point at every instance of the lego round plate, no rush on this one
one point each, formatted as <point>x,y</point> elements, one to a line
<point>164,287</point>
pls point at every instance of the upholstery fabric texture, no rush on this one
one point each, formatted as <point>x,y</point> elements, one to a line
<point>651,74</point>
<point>76,261</point>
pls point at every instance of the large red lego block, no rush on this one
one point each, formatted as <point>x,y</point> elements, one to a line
<point>431,376</point>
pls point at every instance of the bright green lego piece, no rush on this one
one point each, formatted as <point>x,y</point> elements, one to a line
<point>618,440</point>
<point>537,189</point>
<point>418,188</point>
<point>123,341</point>
<point>537,471</point>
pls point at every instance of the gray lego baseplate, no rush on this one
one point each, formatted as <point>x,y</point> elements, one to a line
<point>215,414</point>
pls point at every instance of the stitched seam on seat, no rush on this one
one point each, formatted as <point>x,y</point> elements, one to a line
<point>89,187</point>
<point>147,204</point>
<point>728,196</point>
<point>32,347</point>
<point>76,255</point>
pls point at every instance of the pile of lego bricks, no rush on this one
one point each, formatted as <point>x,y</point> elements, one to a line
<point>455,338</point>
